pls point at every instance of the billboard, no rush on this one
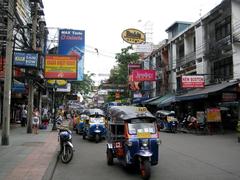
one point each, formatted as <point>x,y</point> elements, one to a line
<point>193,81</point>
<point>72,42</point>
<point>24,59</point>
<point>143,75</point>
<point>60,67</point>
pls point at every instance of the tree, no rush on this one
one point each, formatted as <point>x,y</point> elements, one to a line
<point>119,73</point>
<point>85,86</point>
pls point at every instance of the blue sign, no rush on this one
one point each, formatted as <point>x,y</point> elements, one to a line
<point>72,42</point>
<point>25,59</point>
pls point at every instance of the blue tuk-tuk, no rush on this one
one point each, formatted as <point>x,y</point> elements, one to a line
<point>133,138</point>
<point>95,126</point>
<point>83,117</point>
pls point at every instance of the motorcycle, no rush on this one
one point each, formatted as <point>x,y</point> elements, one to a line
<point>66,146</point>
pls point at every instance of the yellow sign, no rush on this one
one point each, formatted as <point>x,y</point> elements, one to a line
<point>143,135</point>
<point>213,115</point>
<point>133,36</point>
<point>60,67</point>
<point>58,82</point>
<point>141,109</point>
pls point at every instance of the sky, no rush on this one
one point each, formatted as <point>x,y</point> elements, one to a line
<point>105,20</point>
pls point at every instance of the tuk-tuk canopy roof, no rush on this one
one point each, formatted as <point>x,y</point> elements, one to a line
<point>96,110</point>
<point>165,112</point>
<point>124,113</point>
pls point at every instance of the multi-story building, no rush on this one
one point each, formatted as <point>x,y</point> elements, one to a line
<point>26,13</point>
<point>210,48</point>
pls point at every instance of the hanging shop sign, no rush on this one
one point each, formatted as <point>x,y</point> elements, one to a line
<point>193,81</point>
<point>133,36</point>
<point>24,59</point>
<point>143,75</point>
<point>213,115</point>
<point>61,67</point>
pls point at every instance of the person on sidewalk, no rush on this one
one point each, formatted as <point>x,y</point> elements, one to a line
<point>35,121</point>
<point>23,117</point>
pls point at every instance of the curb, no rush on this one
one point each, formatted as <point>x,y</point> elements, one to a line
<point>48,175</point>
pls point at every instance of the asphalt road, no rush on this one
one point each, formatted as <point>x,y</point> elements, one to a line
<point>182,156</point>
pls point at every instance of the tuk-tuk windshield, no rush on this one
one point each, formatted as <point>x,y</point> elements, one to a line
<point>99,120</point>
<point>135,128</point>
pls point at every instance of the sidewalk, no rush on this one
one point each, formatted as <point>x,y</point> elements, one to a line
<point>29,156</point>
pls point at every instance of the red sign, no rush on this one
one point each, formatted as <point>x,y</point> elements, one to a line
<point>143,75</point>
<point>192,81</point>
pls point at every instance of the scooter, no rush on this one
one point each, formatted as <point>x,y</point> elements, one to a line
<point>66,146</point>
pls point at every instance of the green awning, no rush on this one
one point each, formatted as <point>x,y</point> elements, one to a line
<point>160,99</point>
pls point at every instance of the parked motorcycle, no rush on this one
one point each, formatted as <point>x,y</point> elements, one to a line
<point>66,146</point>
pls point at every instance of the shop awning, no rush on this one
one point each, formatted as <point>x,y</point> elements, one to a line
<point>150,100</point>
<point>204,92</point>
<point>168,101</point>
<point>157,101</point>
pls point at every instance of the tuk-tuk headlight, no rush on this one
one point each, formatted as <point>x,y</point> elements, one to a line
<point>129,143</point>
<point>144,143</point>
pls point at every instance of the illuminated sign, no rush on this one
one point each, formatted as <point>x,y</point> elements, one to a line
<point>60,67</point>
<point>133,36</point>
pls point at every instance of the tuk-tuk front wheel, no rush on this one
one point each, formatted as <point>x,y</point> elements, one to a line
<point>109,157</point>
<point>97,138</point>
<point>145,169</point>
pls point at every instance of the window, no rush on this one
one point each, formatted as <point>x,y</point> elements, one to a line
<point>223,28</point>
<point>223,69</point>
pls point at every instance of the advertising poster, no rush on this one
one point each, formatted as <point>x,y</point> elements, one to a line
<point>213,115</point>
<point>133,85</point>
<point>72,42</point>
<point>60,67</point>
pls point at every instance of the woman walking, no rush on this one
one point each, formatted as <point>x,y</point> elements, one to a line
<point>35,121</point>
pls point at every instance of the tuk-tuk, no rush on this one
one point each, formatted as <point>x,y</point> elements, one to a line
<point>95,126</point>
<point>81,122</point>
<point>133,138</point>
<point>167,120</point>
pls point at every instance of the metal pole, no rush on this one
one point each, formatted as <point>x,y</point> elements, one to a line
<point>54,106</point>
<point>30,82</point>
<point>8,77</point>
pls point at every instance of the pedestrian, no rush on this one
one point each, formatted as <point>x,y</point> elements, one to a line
<point>23,117</point>
<point>35,121</point>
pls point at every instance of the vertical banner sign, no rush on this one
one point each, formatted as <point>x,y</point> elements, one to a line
<point>72,42</point>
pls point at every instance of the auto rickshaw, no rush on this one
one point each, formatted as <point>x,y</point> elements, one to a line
<point>167,120</point>
<point>81,122</point>
<point>133,139</point>
<point>95,126</point>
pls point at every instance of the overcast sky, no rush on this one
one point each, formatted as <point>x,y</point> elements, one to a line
<point>104,21</point>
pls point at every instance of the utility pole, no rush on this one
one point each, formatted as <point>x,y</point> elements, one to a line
<point>30,82</point>
<point>8,75</point>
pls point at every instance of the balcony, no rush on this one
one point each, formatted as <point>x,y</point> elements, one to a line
<point>186,59</point>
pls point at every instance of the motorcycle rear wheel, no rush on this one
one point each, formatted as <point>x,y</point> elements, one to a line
<point>67,157</point>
